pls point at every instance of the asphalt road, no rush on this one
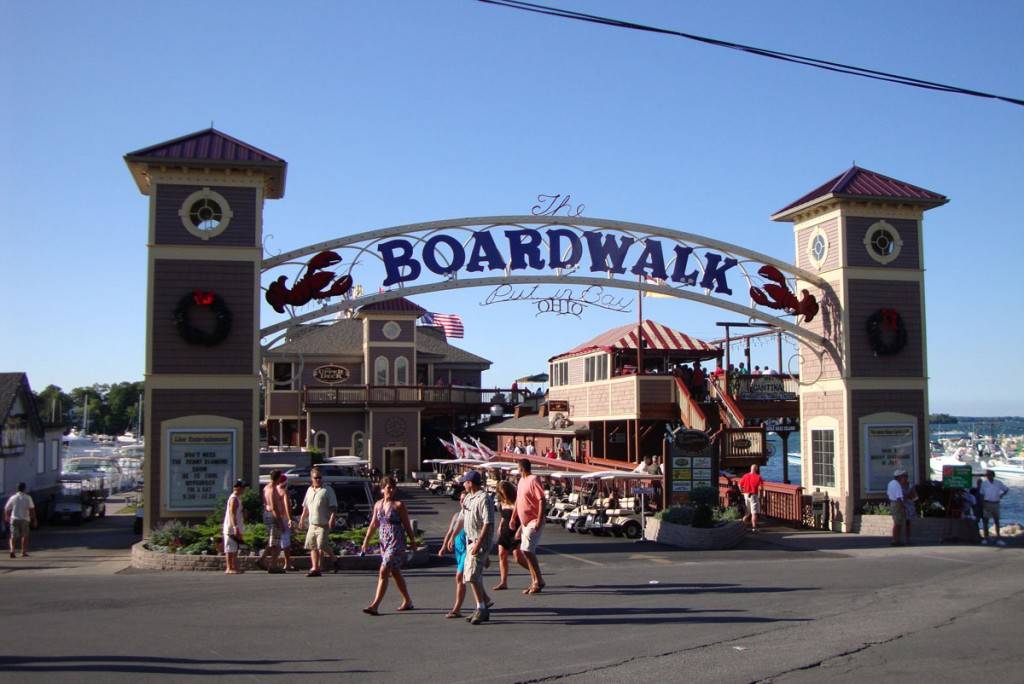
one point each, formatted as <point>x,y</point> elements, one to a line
<point>785,606</point>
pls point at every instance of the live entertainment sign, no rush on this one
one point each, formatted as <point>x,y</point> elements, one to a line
<point>200,468</point>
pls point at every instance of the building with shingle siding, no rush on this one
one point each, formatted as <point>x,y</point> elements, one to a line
<point>30,446</point>
<point>376,386</point>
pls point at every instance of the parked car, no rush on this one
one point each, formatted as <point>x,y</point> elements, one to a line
<point>355,494</point>
<point>81,496</point>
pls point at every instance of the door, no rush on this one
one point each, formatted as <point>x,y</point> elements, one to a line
<point>394,459</point>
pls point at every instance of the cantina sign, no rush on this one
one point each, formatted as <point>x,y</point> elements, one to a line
<point>525,250</point>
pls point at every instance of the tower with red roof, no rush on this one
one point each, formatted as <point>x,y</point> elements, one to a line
<point>206,192</point>
<point>864,401</point>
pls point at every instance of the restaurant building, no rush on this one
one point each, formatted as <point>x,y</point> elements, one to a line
<point>376,385</point>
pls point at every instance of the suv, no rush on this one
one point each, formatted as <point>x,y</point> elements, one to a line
<point>354,494</point>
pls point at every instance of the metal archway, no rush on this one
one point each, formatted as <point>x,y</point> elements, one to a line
<point>354,249</point>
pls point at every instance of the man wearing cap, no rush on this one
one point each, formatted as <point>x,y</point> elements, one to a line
<point>233,528</point>
<point>992,491</point>
<point>897,505</point>
<point>478,521</point>
<point>275,518</point>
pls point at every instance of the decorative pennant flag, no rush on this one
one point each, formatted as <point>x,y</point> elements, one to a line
<point>449,447</point>
<point>484,450</point>
<point>450,323</point>
<point>465,449</point>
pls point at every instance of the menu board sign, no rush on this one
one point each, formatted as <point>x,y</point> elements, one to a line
<point>200,467</point>
<point>688,469</point>
<point>888,448</point>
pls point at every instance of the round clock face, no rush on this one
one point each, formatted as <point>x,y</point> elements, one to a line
<point>392,330</point>
<point>394,426</point>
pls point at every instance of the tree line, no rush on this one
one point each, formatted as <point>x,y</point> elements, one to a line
<point>113,408</point>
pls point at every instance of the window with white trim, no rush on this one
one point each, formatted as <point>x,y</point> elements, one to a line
<point>823,458</point>
<point>40,458</point>
<point>54,454</point>
<point>559,374</point>
<point>358,444</point>
<point>595,368</point>
<point>380,371</point>
<point>401,371</point>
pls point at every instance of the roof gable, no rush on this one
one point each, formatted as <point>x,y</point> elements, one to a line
<point>657,337</point>
<point>858,183</point>
<point>206,145</point>
<point>396,305</point>
<point>209,148</point>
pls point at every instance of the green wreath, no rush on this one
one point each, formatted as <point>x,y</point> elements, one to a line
<point>887,334</point>
<point>194,335</point>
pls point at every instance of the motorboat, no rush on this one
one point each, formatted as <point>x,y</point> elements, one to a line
<point>1007,467</point>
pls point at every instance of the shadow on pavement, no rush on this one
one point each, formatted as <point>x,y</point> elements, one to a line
<point>596,615</point>
<point>156,665</point>
<point>670,588</point>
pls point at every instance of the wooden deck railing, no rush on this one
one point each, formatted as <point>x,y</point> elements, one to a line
<point>731,414</point>
<point>779,501</point>
<point>402,394</point>
<point>689,411</point>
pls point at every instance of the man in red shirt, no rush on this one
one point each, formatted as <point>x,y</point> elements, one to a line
<point>527,520</point>
<point>750,484</point>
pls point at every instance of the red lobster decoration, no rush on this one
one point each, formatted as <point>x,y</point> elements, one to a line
<point>311,285</point>
<point>777,295</point>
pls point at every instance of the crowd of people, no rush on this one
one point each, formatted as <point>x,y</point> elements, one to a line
<point>980,503</point>
<point>514,523</point>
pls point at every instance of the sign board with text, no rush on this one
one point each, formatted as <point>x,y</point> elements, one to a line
<point>886,449</point>
<point>687,469</point>
<point>957,477</point>
<point>200,467</point>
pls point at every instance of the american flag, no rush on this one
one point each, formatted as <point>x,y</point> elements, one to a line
<point>450,323</point>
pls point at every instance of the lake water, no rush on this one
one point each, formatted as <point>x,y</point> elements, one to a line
<point>1011,509</point>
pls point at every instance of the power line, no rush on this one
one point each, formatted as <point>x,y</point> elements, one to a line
<point>761,52</point>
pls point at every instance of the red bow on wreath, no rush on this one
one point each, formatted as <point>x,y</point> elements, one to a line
<point>202,298</point>
<point>890,319</point>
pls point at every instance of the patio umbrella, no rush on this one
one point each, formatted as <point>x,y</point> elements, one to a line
<point>539,377</point>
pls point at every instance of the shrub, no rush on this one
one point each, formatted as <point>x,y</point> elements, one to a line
<point>727,514</point>
<point>198,548</point>
<point>173,535</point>
<point>703,517</point>
<point>255,536</point>
<point>315,455</point>
<point>676,515</point>
<point>704,496</point>
<point>880,508</point>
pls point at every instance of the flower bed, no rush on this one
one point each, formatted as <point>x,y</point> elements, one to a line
<point>147,558</point>
<point>922,530</point>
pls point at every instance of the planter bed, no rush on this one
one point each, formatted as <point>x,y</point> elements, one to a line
<point>922,530</point>
<point>724,536</point>
<point>145,558</point>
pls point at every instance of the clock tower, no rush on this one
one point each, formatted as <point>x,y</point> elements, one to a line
<point>206,192</point>
<point>864,400</point>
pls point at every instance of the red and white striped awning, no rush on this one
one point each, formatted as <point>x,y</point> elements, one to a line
<point>656,336</point>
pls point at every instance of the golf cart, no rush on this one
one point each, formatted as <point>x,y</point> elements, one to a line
<point>615,515</point>
<point>560,505</point>
<point>81,496</point>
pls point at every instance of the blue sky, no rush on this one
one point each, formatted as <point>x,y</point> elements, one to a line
<point>399,112</point>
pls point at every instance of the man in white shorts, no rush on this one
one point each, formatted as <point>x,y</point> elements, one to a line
<point>528,521</point>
